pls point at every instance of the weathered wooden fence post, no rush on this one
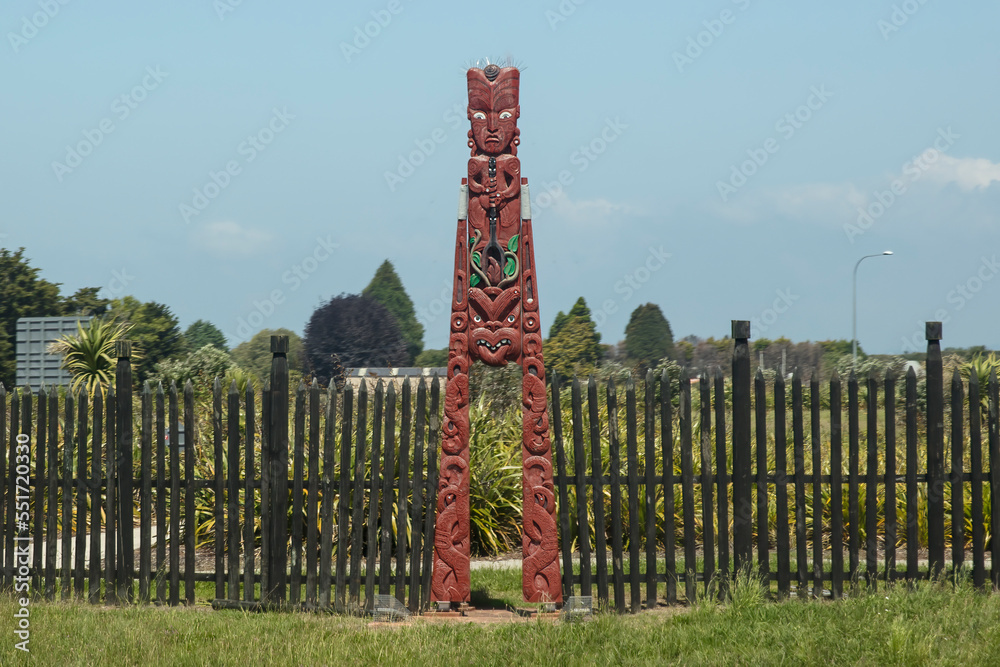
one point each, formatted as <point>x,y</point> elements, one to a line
<point>955,478</point>
<point>278,447</point>
<point>8,484</point>
<point>562,482</point>
<point>687,486</point>
<point>36,519</point>
<point>935,449</point>
<point>145,494</point>
<point>993,426</point>
<point>190,449</point>
<point>126,518</point>
<point>976,488</point>
<point>742,507</point>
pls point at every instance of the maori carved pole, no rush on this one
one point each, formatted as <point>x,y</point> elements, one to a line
<point>494,319</point>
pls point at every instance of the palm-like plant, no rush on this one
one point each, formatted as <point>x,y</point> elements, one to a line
<point>982,367</point>
<point>90,354</point>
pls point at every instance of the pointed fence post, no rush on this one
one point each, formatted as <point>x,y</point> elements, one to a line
<point>742,506</point>
<point>126,518</point>
<point>993,430</point>
<point>278,444</point>
<point>935,449</point>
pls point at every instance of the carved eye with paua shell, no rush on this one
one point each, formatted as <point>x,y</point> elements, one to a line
<point>504,115</point>
<point>479,115</point>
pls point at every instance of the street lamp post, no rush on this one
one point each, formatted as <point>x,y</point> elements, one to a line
<point>854,319</point>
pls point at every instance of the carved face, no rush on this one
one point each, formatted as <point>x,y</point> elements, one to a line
<point>493,107</point>
<point>495,327</point>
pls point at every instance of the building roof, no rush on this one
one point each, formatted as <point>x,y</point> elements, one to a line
<point>396,372</point>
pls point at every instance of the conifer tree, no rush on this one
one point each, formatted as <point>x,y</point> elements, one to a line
<point>387,289</point>
<point>574,346</point>
<point>648,337</point>
<point>202,333</point>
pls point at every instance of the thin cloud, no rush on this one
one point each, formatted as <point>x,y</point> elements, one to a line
<point>826,202</point>
<point>595,212</point>
<point>228,238</point>
<point>967,173</point>
<point>806,202</point>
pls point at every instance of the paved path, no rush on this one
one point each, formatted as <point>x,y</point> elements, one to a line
<point>136,534</point>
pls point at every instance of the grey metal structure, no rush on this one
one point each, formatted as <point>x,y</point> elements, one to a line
<point>35,366</point>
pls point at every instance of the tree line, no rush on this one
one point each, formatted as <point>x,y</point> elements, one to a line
<point>376,328</point>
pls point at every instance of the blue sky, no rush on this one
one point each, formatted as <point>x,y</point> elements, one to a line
<point>243,162</point>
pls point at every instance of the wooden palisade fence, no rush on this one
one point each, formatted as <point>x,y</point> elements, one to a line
<point>737,482</point>
<point>342,506</point>
<point>91,502</point>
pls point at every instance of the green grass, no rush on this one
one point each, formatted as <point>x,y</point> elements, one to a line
<point>930,624</point>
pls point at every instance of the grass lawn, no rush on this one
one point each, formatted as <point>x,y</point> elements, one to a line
<point>933,624</point>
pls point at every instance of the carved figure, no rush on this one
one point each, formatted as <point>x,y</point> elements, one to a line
<point>494,319</point>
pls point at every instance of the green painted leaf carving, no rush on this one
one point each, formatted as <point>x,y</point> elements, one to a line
<point>472,241</point>
<point>474,280</point>
<point>512,244</point>
<point>510,268</point>
<point>478,259</point>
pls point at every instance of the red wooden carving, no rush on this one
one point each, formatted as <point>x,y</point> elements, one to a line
<point>494,318</point>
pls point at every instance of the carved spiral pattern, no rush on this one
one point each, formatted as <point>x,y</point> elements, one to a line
<point>455,428</point>
<point>450,580</point>
<point>540,569</point>
<point>451,538</point>
<point>536,417</point>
